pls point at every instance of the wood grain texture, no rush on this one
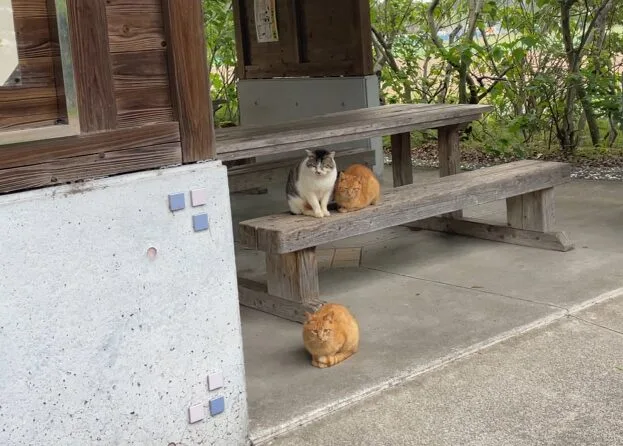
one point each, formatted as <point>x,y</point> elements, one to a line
<point>553,241</point>
<point>449,151</point>
<point>449,155</point>
<point>188,71</point>
<point>37,152</point>
<point>95,95</point>
<point>283,233</point>
<point>363,27</point>
<point>293,276</point>
<point>242,37</point>
<point>106,163</point>
<point>333,128</point>
<point>320,38</point>
<point>533,211</point>
<point>402,167</point>
<point>255,295</point>
<point>135,26</point>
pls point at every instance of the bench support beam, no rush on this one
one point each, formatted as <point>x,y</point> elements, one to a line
<point>401,159</point>
<point>255,295</point>
<point>293,276</point>
<point>449,156</point>
<point>533,211</point>
<point>291,286</point>
<point>554,241</point>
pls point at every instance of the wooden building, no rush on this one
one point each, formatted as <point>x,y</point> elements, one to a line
<point>107,87</point>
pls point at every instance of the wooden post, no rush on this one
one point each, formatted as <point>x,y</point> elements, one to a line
<point>95,96</point>
<point>293,276</point>
<point>533,211</point>
<point>449,155</point>
<point>189,78</point>
<point>291,288</point>
<point>401,159</point>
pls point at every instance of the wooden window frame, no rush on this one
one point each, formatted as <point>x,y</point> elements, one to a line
<point>72,125</point>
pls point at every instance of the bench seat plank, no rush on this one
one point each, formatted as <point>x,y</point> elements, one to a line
<point>354,125</point>
<point>283,233</point>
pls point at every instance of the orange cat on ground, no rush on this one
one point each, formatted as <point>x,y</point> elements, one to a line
<point>356,188</point>
<point>330,335</point>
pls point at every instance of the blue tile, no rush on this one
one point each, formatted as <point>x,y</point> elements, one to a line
<point>217,406</point>
<point>200,222</point>
<point>176,202</point>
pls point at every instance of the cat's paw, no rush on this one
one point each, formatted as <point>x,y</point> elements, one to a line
<point>342,210</point>
<point>321,362</point>
<point>326,213</point>
<point>320,365</point>
<point>319,214</point>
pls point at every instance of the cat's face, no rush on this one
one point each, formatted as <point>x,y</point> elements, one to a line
<point>320,328</point>
<point>348,186</point>
<point>320,162</point>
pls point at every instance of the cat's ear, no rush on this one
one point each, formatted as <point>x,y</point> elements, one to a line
<point>329,316</point>
<point>309,152</point>
<point>332,154</point>
<point>308,316</point>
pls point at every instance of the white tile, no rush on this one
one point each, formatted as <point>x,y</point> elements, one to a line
<point>196,413</point>
<point>215,380</point>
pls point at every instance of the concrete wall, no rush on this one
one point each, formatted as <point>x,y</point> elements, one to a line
<point>101,343</point>
<point>269,101</point>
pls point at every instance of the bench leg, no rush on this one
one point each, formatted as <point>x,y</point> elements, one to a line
<point>291,286</point>
<point>533,211</point>
<point>401,159</point>
<point>449,155</point>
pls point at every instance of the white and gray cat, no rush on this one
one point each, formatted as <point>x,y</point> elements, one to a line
<point>310,184</point>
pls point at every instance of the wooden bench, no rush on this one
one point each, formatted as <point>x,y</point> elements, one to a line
<point>290,241</point>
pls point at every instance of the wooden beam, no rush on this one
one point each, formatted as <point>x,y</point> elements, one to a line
<point>48,150</point>
<point>106,163</point>
<point>189,78</point>
<point>293,276</point>
<point>255,295</point>
<point>242,39</point>
<point>364,54</point>
<point>555,241</point>
<point>402,167</point>
<point>449,155</point>
<point>88,30</point>
<point>533,211</point>
<point>333,128</point>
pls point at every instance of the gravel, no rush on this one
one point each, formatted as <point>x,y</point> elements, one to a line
<point>604,168</point>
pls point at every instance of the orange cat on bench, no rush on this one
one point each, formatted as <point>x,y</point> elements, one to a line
<point>357,187</point>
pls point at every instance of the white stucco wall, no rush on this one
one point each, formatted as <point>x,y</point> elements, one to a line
<point>99,344</point>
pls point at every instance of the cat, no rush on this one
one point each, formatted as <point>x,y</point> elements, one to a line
<point>330,335</point>
<point>356,188</point>
<point>310,184</point>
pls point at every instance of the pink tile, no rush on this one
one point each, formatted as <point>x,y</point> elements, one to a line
<point>199,197</point>
<point>196,413</point>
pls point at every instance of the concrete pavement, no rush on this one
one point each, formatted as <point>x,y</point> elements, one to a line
<point>424,300</point>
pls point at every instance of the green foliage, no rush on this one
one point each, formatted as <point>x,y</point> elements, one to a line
<point>515,60</point>
<point>512,54</point>
<point>221,46</point>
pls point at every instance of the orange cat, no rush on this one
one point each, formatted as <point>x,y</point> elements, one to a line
<point>356,188</point>
<point>330,335</point>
